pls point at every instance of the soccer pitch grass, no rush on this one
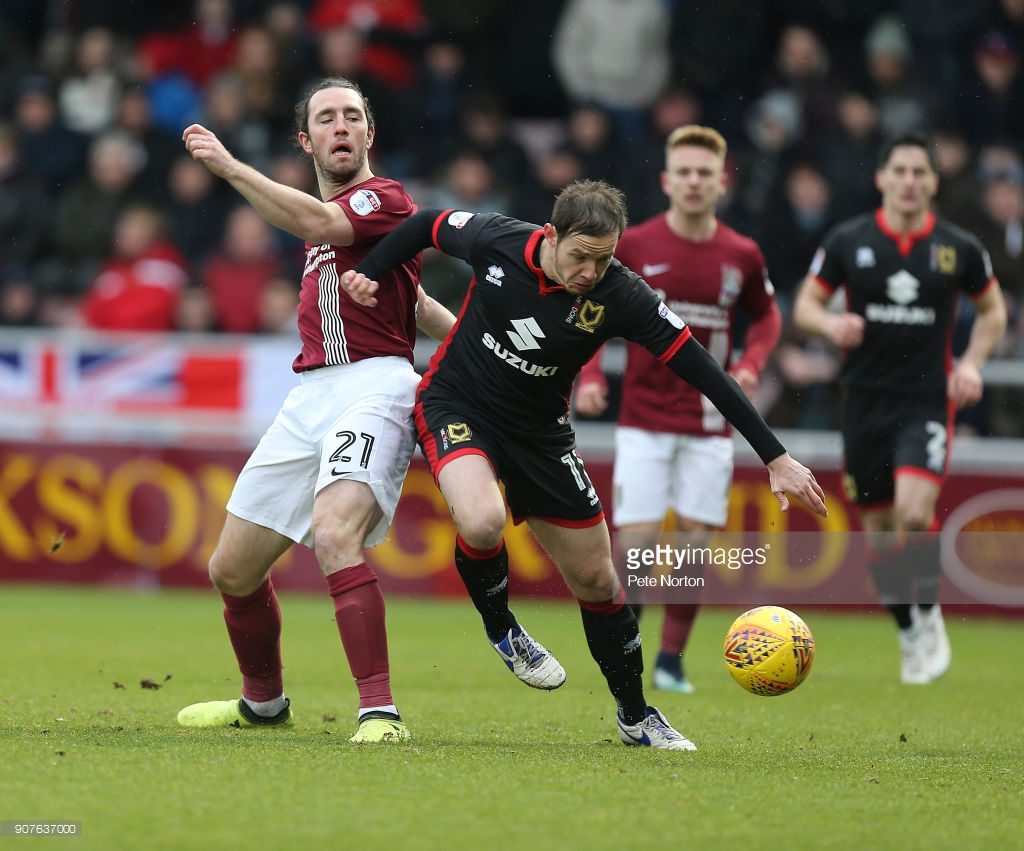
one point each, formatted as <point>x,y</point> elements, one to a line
<point>850,759</point>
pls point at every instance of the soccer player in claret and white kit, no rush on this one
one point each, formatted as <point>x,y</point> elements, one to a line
<point>902,269</point>
<point>494,405</point>
<point>673,448</point>
<point>329,471</point>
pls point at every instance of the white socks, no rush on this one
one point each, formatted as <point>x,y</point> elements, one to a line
<point>389,708</point>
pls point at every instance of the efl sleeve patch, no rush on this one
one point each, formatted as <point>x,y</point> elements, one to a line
<point>817,263</point>
<point>364,202</point>
<point>459,218</point>
<point>666,313</point>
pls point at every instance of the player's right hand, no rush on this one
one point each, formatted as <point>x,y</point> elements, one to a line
<point>206,148</point>
<point>788,477</point>
<point>591,398</point>
<point>361,288</point>
<point>747,380</point>
<point>964,385</point>
<point>846,330</point>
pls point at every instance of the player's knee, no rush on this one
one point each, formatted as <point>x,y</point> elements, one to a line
<point>914,518</point>
<point>596,586</point>
<point>483,527</point>
<point>882,540</point>
<point>229,578</point>
<point>339,539</point>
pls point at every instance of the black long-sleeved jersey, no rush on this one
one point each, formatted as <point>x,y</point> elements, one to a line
<point>521,339</point>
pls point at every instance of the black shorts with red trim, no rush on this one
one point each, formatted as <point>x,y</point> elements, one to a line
<point>886,436</point>
<point>543,474</point>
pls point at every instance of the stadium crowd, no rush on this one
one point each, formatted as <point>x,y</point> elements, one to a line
<point>106,222</point>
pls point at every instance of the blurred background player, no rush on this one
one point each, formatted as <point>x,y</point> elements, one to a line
<point>902,269</point>
<point>329,471</point>
<point>494,406</point>
<point>673,449</point>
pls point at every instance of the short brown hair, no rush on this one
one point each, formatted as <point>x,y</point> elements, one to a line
<point>301,117</point>
<point>589,207</point>
<point>910,139</point>
<point>698,137</point>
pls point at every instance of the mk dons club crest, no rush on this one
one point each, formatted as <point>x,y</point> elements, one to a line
<point>944,258</point>
<point>459,432</point>
<point>850,487</point>
<point>590,316</point>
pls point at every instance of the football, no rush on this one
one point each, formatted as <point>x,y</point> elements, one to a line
<point>769,650</point>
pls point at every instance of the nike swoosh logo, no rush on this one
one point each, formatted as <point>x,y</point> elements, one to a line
<point>638,739</point>
<point>336,472</point>
<point>652,269</point>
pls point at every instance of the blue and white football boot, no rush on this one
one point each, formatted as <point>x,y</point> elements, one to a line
<point>530,661</point>
<point>653,732</point>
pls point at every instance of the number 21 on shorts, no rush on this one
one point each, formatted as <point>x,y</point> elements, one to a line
<point>339,455</point>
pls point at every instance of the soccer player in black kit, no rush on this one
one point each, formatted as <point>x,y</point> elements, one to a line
<point>902,269</point>
<point>494,405</point>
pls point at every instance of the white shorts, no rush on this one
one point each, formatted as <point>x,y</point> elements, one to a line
<point>352,421</point>
<point>655,471</point>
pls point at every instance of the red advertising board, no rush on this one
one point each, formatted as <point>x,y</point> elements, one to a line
<point>76,513</point>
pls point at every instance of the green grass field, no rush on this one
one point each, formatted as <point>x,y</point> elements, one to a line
<point>492,762</point>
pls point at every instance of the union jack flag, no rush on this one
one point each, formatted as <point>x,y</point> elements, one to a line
<point>150,374</point>
<point>19,379</point>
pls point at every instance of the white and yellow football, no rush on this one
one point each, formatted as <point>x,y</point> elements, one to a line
<point>769,650</point>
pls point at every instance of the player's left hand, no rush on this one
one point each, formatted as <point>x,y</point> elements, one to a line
<point>747,380</point>
<point>789,477</point>
<point>361,288</point>
<point>591,398</point>
<point>964,385</point>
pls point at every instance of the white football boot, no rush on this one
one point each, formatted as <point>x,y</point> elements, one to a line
<point>912,670</point>
<point>530,661</point>
<point>653,732</point>
<point>933,641</point>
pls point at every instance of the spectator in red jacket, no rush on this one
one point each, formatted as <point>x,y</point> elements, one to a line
<point>388,63</point>
<point>139,287</point>
<point>200,51</point>
<point>239,271</point>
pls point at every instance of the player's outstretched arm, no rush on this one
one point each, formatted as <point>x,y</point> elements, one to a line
<point>964,385</point>
<point>432,317</point>
<point>402,244</point>
<point>693,364</point>
<point>811,314</point>
<point>289,209</point>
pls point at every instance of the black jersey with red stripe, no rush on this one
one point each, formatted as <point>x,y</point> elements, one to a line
<point>905,286</point>
<point>520,338</point>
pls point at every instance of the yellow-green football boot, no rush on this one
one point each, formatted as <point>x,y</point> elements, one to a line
<point>232,713</point>
<point>380,727</point>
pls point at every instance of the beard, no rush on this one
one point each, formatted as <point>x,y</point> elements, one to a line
<point>339,174</point>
